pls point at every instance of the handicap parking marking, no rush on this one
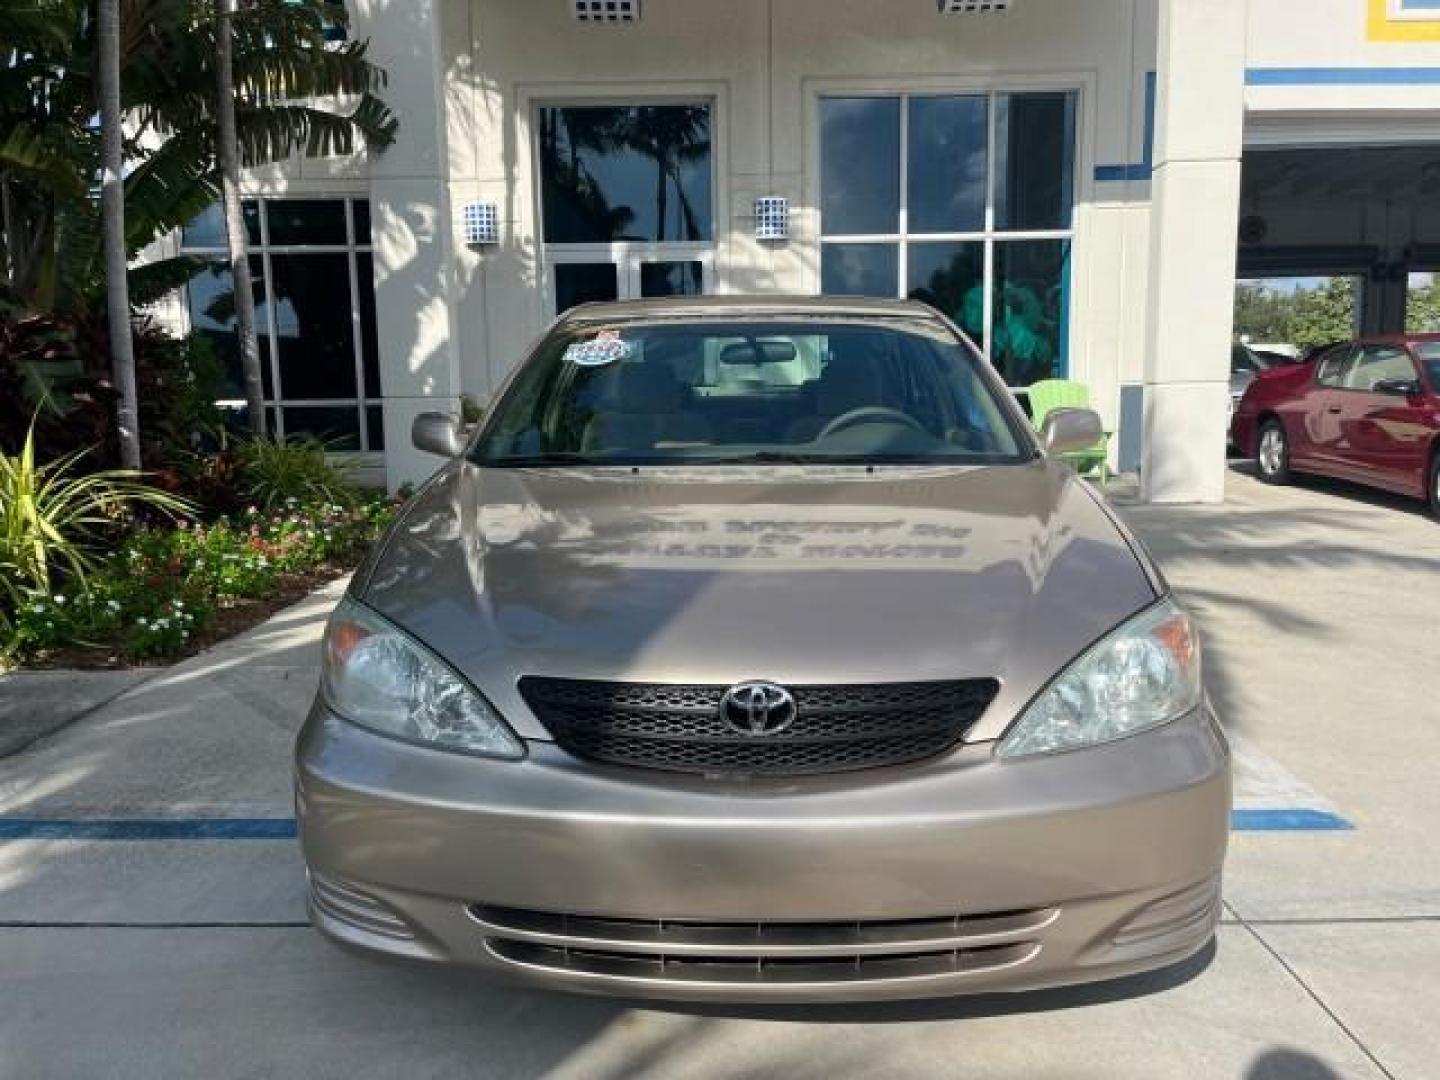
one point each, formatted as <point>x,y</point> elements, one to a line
<point>147,828</point>
<point>1279,819</point>
<point>1270,798</point>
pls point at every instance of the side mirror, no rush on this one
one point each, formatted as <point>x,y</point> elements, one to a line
<point>1405,387</point>
<point>1069,430</point>
<point>437,433</point>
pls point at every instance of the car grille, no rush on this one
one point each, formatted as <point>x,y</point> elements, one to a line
<point>680,728</point>
<point>762,953</point>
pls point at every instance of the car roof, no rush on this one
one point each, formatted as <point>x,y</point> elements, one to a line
<point>743,306</point>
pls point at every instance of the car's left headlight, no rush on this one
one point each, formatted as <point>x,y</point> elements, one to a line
<point>1143,674</point>
<point>375,675</point>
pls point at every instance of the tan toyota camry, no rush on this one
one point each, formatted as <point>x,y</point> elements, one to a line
<point>756,649</point>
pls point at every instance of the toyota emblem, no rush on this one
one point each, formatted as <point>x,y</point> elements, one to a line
<point>758,708</point>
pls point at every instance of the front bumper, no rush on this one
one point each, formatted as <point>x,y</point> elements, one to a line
<point>971,875</point>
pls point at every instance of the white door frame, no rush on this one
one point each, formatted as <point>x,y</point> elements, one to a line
<point>627,257</point>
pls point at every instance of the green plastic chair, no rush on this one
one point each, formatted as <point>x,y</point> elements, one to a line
<point>1051,394</point>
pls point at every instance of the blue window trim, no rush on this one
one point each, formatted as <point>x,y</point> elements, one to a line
<point>1343,76</point>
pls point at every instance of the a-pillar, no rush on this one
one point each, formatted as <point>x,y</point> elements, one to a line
<point>1194,214</point>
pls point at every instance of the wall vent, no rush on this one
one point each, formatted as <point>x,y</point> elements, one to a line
<point>482,223</point>
<point>772,218</point>
<point>607,11</point>
<point>972,7</point>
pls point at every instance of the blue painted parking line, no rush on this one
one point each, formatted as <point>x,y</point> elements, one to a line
<point>1244,819</point>
<point>1286,819</point>
<point>147,829</point>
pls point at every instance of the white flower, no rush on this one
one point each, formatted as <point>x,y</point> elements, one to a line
<point>60,599</point>
<point>142,621</point>
<point>113,605</point>
<point>39,609</point>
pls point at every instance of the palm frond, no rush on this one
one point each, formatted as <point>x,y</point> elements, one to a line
<point>153,281</point>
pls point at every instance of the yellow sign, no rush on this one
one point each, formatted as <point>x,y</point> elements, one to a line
<point>1404,20</point>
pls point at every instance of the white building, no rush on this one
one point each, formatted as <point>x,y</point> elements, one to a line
<point>1063,177</point>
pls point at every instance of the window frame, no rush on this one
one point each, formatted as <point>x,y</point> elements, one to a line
<point>1079,84</point>
<point>353,247</point>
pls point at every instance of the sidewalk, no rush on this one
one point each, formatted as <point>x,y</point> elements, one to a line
<point>179,957</point>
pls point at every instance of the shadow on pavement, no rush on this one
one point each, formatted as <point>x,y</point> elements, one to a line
<point>1289,1065</point>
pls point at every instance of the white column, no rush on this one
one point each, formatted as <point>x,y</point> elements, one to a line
<point>1196,199</point>
<point>413,230</point>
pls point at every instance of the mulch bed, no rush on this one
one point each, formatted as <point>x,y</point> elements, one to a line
<point>226,623</point>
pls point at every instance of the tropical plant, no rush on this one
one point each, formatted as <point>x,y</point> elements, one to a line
<point>280,472</point>
<point>55,380</point>
<point>296,91</point>
<point>53,519</point>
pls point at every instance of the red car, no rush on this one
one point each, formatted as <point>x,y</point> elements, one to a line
<point>1367,411</point>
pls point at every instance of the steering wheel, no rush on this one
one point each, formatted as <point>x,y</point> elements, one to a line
<point>866,414</point>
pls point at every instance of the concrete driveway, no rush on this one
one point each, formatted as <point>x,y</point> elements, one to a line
<point>177,947</point>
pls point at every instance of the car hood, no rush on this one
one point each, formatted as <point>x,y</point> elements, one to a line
<point>720,574</point>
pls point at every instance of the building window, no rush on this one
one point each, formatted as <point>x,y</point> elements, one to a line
<point>626,173</point>
<point>315,315</point>
<point>962,200</point>
<point>627,196</point>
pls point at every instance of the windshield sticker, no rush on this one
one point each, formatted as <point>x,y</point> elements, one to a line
<point>604,348</point>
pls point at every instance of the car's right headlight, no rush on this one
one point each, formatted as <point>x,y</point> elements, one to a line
<point>1143,674</point>
<point>375,675</point>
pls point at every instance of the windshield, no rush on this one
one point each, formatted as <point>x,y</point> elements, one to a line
<point>707,391</point>
<point>1243,359</point>
<point>1429,353</point>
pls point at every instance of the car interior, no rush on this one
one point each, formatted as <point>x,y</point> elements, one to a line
<point>692,392</point>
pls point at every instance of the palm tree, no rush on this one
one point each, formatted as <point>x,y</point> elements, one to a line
<point>237,242</point>
<point>295,91</point>
<point>112,208</point>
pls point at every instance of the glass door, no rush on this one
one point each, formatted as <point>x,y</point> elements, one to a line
<point>671,277</point>
<point>584,283</point>
<point>624,273</point>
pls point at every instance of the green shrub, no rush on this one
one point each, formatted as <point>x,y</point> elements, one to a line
<point>273,472</point>
<point>163,585</point>
<point>53,519</point>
